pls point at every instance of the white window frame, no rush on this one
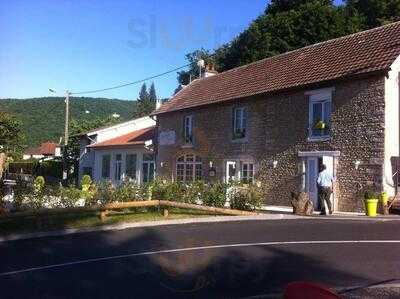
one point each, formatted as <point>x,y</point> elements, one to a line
<point>318,97</point>
<point>250,178</point>
<point>185,164</point>
<point>118,174</point>
<point>240,123</point>
<point>147,163</point>
<point>188,129</point>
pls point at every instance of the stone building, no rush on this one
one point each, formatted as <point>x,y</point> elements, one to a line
<point>277,120</point>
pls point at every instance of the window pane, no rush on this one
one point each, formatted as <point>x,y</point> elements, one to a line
<point>181,159</point>
<point>198,173</point>
<point>189,158</point>
<point>317,116</point>
<point>180,169</point>
<point>189,173</point>
<point>105,166</point>
<point>327,116</point>
<point>151,172</point>
<point>145,168</point>
<point>131,166</point>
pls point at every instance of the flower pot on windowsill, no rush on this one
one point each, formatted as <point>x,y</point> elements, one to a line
<point>320,125</point>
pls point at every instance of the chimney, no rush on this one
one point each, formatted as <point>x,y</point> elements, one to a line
<point>209,71</point>
<point>158,104</point>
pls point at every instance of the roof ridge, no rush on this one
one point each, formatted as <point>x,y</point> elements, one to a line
<point>305,47</point>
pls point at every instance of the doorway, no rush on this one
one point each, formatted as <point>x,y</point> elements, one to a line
<point>312,168</point>
<point>231,173</point>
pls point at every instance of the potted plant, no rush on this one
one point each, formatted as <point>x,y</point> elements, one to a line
<point>371,203</point>
<point>320,125</point>
<point>384,198</point>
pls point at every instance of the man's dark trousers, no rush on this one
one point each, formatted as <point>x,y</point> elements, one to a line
<point>324,194</point>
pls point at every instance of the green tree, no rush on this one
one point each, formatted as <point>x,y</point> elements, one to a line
<point>153,93</point>
<point>286,25</point>
<point>184,77</point>
<point>11,136</point>
<point>375,12</point>
<point>146,103</point>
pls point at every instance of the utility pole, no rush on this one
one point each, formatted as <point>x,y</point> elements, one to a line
<point>67,93</point>
<point>66,132</point>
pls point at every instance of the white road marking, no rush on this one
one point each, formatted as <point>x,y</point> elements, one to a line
<point>145,253</point>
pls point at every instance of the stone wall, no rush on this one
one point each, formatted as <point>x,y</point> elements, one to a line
<point>278,130</point>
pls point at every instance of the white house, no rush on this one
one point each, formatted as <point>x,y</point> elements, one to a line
<point>119,152</point>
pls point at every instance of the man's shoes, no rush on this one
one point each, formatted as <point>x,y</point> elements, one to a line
<point>323,213</point>
<point>330,212</point>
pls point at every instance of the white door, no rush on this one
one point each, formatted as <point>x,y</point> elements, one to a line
<point>230,171</point>
<point>328,162</point>
<point>311,179</point>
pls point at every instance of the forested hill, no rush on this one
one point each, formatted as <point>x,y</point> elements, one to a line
<point>43,118</point>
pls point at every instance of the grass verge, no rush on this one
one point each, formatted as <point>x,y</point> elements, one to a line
<point>56,222</point>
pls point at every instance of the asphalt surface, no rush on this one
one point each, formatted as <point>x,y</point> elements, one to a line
<point>205,260</point>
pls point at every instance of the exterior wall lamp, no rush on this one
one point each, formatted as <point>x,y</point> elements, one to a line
<point>274,164</point>
<point>357,164</point>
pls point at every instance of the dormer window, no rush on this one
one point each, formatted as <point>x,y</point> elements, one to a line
<point>239,122</point>
<point>188,129</point>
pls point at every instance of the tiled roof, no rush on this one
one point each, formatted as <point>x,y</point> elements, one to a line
<point>137,137</point>
<point>47,149</point>
<point>363,52</point>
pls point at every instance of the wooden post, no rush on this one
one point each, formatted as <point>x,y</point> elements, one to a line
<point>103,216</point>
<point>165,213</point>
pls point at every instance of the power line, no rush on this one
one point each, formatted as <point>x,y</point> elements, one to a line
<point>131,83</point>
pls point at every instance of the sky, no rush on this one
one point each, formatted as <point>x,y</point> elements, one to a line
<point>80,45</point>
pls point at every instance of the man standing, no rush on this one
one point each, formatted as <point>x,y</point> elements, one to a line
<point>324,182</point>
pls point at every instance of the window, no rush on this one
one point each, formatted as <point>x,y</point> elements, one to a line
<point>105,166</point>
<point>189,168</point>
<point>320,115</point>
<point>239,122</point>
<point>247,172</point>
<point>131,166</point>
<point>188,129</point>
<point>148,168</point>
<point>118,167</point>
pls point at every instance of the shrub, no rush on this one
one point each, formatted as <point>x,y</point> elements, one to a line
<point>215,195</point>
<point>245,198</point>
<point>104,193</point>
<point>127,191</point>
<point>369,194</point>
<point>69,196</point>
<point>166,190</point>
<point>38,184</point>
<point>86,181</point>
<point>194,192</point>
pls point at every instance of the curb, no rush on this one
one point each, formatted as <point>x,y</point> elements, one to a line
<point>122,226</point>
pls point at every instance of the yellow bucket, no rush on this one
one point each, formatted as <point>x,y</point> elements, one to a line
<point>372,206</point>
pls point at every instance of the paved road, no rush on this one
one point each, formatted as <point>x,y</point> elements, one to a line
<point>214,260</point>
